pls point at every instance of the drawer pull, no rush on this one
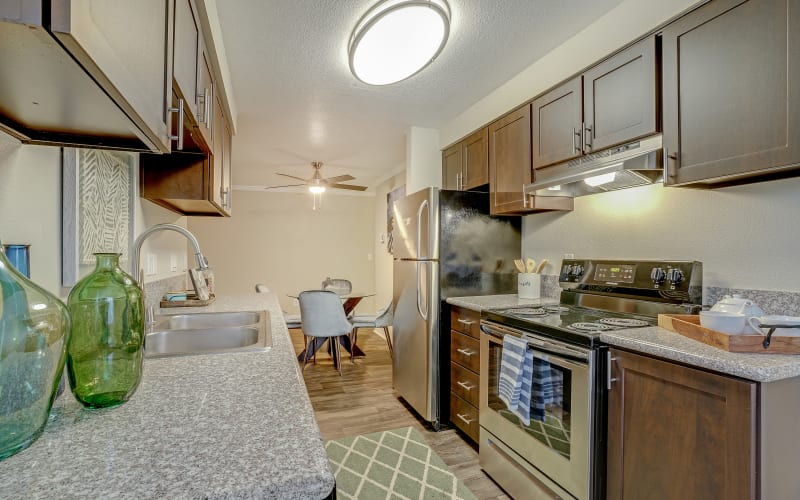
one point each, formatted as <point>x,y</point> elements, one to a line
<point>466,322</point>
<point>466,352</point>
<point>466,386</point>
<point>465,419</point>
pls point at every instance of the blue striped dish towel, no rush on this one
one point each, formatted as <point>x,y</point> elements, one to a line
<point>516,374</point>
<point>547,386</point>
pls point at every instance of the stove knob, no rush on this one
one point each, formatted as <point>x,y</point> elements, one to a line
<point>674,276</point>
<point>657,275</point>
<point>577,270</point>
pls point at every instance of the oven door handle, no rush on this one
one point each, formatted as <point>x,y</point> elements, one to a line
<point>496,333</point>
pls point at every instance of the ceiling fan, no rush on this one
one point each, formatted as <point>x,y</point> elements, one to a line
<point>318,184</point>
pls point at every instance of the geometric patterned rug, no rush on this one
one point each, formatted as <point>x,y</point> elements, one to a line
<point>394,464</point>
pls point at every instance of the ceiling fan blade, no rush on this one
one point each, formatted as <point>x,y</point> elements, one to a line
<point>348,186</point>
<point>339,178</point>
<point>292,177</point>
<point>285,186</point>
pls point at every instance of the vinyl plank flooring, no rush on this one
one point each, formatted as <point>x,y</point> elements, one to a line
<point>362,401</point>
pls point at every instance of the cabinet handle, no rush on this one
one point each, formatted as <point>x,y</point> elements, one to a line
<point>458,182</point>
<point>464,418</point>
<point>466,322</point>
<point>524,197</point>
<point>576,137</point>
<point>178,137</point>
<point>206,97</point>
<point>587,137</point>
<point>608,370</point>
<point>671,166</point>
<point>466,386</point>
<point>466,352</point>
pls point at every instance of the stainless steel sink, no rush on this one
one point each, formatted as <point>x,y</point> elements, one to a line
<point>208,333</point>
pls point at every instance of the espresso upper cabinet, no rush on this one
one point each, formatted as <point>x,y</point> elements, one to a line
<point>679,433</point>
<point>558,124</point>
<point>510,161</point>
<point>187,44</point>
<point>611,103</point>
<point>465,165</point>
<point>731,91</point>
<point>619,97</point>
<point>205,94</point>
<point>127,49</point>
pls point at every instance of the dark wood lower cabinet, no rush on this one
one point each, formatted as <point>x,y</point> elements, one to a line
<point>680,433</point>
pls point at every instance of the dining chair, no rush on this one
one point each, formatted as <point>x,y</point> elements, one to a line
<point>292,320</point>
<point>323,317</point>
<point>383,319</point>
<point>338,285</point>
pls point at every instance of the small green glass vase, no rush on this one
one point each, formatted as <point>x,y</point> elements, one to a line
<point>34,326</point>
<point>104,354</point>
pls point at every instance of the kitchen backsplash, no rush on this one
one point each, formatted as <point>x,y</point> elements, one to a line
<point>154,290</point>
<point>770,301</point>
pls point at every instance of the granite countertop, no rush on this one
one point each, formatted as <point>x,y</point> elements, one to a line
<point>670,345</point>
<point>235,425</point>
<point>480,303</point>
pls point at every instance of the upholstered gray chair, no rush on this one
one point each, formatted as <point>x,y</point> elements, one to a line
<point>381,320</point>
<point>323,317</point>
<point>338,285</point>
<point>292,320</point>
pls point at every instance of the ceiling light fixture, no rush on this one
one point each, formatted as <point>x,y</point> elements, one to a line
<point>396,39</point>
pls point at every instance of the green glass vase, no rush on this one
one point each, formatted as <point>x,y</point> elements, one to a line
<point>34,326</point>
<point>104,354</point>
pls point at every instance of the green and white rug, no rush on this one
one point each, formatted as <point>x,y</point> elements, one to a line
<point>395,464</point>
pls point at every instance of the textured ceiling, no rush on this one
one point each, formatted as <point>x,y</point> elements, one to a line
<point>298,102</point>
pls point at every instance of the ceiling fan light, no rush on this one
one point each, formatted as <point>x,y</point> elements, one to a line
<point>398,38</point>
<point>316,189</point>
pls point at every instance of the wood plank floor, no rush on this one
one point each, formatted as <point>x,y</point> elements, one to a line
<point>363,401</point>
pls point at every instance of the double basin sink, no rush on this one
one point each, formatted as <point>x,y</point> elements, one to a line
<point>208,333</point>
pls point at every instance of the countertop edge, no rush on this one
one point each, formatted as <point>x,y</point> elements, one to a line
<point>480,302</point>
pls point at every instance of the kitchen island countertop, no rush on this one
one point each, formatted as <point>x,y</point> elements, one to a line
<point>234,425</point>
<point>479,303</point>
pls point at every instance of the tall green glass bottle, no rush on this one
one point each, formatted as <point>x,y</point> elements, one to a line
<point>104,354</point>
<point>34,326</point>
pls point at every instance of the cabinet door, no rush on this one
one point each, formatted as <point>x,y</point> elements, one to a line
<point>187,42</point>
<point>509,161</point>
<point>558,124</point>
<point>127,48</point>
<point>217,155</point>
<point>679,433</point>
<point>205,92</point>
<point>451,167</point>
<point>619,97</point>
<point>731,84</point>
<point>475,161</point>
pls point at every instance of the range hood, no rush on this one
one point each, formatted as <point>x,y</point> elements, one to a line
<point>634,164</point>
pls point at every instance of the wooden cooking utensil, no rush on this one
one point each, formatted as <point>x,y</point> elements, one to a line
<point>531,265</point>
<point>541,266</point>
<point>520,265</point>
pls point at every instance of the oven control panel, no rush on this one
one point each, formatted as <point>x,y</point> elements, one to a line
<point>679,278</point>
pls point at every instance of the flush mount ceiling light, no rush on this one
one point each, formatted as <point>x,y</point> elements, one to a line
<point>396,39</point>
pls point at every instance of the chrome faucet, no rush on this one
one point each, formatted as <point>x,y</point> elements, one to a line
<point>202,262</point>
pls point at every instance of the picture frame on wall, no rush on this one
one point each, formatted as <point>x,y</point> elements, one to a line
<point>98,209</point>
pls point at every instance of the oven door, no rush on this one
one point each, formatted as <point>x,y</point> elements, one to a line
<point>558,441</point>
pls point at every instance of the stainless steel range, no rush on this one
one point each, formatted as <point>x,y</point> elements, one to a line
<point>555,448</point>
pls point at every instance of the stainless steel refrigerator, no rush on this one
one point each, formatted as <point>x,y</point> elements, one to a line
<point>445,244</point>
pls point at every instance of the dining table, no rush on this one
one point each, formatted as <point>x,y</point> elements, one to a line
<point>349,302</point>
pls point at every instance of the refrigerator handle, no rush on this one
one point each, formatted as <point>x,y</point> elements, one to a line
<point>424,315</point>
<point>419,231</point>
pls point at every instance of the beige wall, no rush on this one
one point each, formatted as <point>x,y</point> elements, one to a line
<point>383,259</point>
<point>30,212</point>
<point>278,240</point>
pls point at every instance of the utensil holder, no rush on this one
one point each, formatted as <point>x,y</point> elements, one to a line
<point>529,285</point>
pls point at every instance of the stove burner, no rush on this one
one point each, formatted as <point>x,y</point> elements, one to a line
<point>556,309</point>
<point>527,311</point>
<point>590,327</point>
<point>623,322</point>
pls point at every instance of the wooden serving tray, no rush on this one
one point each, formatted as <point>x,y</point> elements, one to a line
<point>189,302</point>
<point>688,325</point>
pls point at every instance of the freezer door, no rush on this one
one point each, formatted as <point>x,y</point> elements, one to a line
<point>415,335</point>
<point>415,233</point>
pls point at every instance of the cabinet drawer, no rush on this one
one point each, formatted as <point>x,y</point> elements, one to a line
<point>465,351</point>
<point>465,321</point>
<point>464,383</point>
<point>464,416</point>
